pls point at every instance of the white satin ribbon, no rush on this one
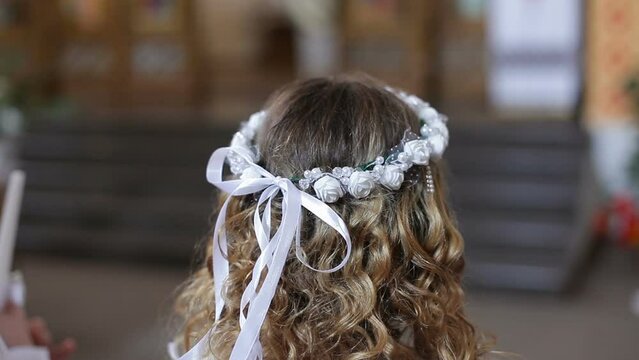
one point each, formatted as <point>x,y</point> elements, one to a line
<point>274,250</point>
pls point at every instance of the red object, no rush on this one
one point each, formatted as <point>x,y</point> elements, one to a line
<point>619,222</point>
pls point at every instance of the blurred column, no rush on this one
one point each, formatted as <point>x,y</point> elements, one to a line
<point>397,41</point>
<point>612,59</point>
<point>535,56</point>
<point>316,37</point>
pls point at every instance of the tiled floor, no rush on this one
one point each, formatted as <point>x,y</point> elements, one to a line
<point>119,311</point>
<point>114,310</point>
<point>594,322</point>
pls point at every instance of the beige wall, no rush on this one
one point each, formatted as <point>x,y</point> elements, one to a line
<point>612,56</point>
<point>226,29</point>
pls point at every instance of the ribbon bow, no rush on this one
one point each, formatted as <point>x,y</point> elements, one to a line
<point>274,250</point>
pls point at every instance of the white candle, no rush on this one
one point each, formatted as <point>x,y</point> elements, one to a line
<point>9,223</point>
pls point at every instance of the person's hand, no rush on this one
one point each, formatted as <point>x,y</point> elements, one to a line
<point>41,336</point>
<point>14,326</point>
<point>17,330</point>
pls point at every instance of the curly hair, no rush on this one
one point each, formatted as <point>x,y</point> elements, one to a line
<point>400,294</point>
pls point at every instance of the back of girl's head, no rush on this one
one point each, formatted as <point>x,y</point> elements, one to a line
<point>399,295</point>
<point>330,122</point>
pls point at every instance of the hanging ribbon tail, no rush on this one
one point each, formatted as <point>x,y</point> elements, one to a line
<point>214,174</point>
<point>197,352</point>
<point>259,293</point>
<point>331,218</point>
<point>259,303</point>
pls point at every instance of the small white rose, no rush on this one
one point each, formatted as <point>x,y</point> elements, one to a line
<point>392,177</point>
<point>415,101</point>
<point>242,146</point>
<point>441,127</point>
<point>438,145</point>
<point>360,184</point>
<point>250,173</point>
<point>428,114</point>
<point>240,141</point>
<point>256,120</point>
<point>328,189</point>
<point>247,131</point>
<point>418,151</point>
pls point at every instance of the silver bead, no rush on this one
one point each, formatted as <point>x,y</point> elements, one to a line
<point>305,184</point>
<point>402,157</point>
<point>347,171</point>
<point>344,181</point>
<point>379,160</point>
<point>307,174</point>
<point>337,172</point>
<point>404,166</point>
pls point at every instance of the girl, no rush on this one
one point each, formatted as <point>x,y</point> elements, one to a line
<point>347,169</point>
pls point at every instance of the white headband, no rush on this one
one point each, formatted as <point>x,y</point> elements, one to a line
<point>242,157</point>
<point>360,180</point>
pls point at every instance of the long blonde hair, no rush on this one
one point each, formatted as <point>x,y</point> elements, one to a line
<point>399,296</point>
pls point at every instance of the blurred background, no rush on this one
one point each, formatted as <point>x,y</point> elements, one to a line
<point>112,108</point>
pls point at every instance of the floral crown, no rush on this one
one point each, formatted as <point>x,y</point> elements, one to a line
<point>274,244</point>
<point>386,170</point>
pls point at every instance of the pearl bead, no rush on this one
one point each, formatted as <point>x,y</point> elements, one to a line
<point>425,130</point>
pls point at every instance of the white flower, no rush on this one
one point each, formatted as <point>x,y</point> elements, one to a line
<point>428,114</point>
<point>360,184</point>
<point>392,177</point>
<point>328,189</point>
<point>242,145</point>
<point>256,120</point>
<point>247,131</point>
<point>418,151</point>
<point>438,145</point>
<point>441,127</point>
<point>240,141</point>
<point>250,173</point>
